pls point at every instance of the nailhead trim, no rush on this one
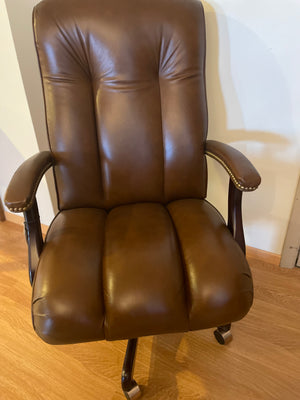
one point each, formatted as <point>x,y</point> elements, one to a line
<point>27,207</point>
<point>18,209</point>
<point>234,179</point>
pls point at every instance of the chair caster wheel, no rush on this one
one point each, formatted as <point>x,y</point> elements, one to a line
<point>134,392</point>
<point>223,334</point>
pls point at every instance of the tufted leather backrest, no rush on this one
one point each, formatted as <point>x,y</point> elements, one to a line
<point>125,99</point>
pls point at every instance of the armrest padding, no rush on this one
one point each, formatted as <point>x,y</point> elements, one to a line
<point>21,191</point>
<point>243,174</point>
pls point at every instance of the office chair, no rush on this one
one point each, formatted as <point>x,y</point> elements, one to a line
<point>135,249</point>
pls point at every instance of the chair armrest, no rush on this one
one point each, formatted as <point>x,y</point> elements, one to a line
<point>242,173</point>
<point>20,194</point>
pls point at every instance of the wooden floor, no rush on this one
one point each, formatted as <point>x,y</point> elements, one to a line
<point>261,363</point>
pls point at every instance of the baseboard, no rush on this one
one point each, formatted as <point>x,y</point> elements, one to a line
<point>2,215</point>
<point>263,255</point>
<point>19,219</point>
<point>252,252</point>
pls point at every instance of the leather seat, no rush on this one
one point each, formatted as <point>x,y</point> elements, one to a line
<point>146,269</point>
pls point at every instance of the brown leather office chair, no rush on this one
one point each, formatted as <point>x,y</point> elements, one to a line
<point>135,249</point>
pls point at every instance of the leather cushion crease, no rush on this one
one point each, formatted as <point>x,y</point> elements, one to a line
<point>141,269</point>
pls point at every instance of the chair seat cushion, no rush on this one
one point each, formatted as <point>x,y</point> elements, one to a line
<point>139,269</point>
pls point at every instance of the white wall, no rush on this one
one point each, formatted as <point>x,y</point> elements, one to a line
<point>253,85</point>
<point>17,138</point>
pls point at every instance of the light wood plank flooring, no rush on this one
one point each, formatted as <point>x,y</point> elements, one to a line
<point>261,363</point>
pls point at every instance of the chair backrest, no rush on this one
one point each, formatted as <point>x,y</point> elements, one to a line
<point>124,88</point>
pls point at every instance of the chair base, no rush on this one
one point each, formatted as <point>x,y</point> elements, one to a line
<point>129,386</point>
<point>223,334</point>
